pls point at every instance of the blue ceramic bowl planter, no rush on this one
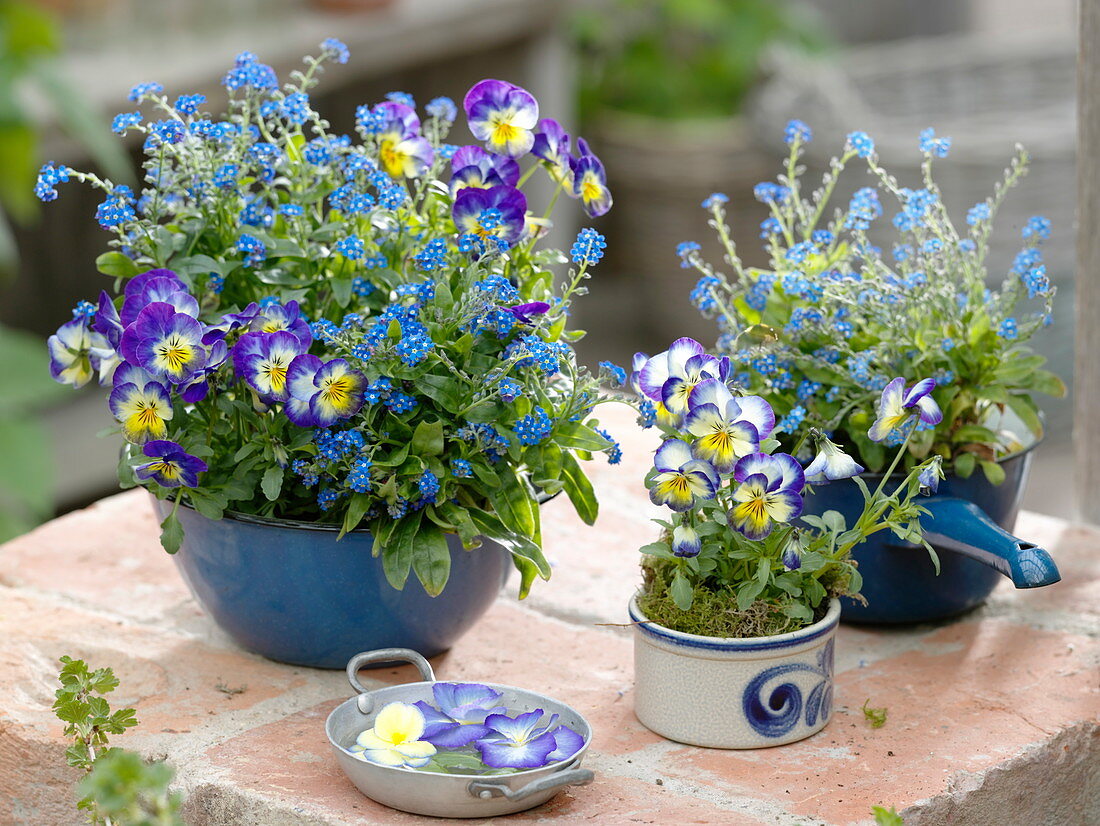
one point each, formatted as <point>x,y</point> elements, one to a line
<point>969,526</point>
<point>291,592</point>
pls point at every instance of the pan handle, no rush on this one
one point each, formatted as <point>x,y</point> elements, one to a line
<point>364,701</point>
<point>486,789</point>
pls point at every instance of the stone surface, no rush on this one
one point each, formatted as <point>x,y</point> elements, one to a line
<point>993,720</point>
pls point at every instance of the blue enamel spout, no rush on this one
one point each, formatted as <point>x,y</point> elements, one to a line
<point>963,527</point>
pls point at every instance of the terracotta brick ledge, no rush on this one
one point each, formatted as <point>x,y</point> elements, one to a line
<point>993,720</point>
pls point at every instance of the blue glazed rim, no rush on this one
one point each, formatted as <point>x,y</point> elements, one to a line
<point>826,625</point>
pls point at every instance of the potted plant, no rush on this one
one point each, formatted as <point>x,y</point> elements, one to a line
<point>342,365</point>
<point>824,328</point>
<point>739,599</point>
<point>663,85</point>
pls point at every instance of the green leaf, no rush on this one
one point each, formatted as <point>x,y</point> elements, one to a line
<point>1044,381</point>
<point>975,433</point>
<point>681,591</point>
<point>443,390</point>
<point>876,717</point>
<point>272,482</point>
<point>460,518</point>
<point>211,504</point>
<point>581,437</point>
<point>579,489</point>
<point>341,290</point>
<point>884,817</point>
<point>432,559</point>
<point>116,264</point>
<point>993,472</point>
<point>515,505</point>
<point>428,438</point>
<point>171,533</point>
<point>1024,408</point>
<point>397,555</point>
<point>521,547</point>
<point>965,464</point>
<point>358,506</point>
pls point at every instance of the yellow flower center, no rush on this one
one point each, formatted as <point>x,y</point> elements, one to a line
<point>175,353</point>
<point>276,373</point>
<point>504,132</point>
<point>336,390</point>
<point>169,470</point>
<point>591,188</point>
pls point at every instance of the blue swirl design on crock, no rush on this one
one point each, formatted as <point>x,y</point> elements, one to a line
<point>780,711</point>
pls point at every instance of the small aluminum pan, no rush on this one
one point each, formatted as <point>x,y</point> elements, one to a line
<point>447,795</point>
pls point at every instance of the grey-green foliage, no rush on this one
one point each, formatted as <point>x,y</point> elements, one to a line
<point>26,473</point>
<point>119,787</point>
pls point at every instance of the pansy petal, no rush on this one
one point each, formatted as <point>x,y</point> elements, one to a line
<point>710,391</point>
<point>567,742</point>
<point>759,413</point>
<point>930,412</point>
<point>384,757</point>
<point>672,455</point>
<point>918,391</point>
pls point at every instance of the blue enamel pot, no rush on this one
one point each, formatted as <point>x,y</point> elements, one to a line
<point>293,593</point>
<point>969,525</point>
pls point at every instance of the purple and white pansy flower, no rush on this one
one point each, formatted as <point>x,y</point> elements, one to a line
<point>172,466</point>
<point>831,463</point>
<point>897,404</point>
<point>497,212</point>
<point>726,428</point>
<point>458,718</point>
<point>554,147</point>
<point>473,166</point>
<point>770,492</point>
<point>670,377</point>
<point>681,480</point>
<point>502,115</point>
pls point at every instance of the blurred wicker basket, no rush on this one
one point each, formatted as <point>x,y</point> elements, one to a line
<point>987,95</point>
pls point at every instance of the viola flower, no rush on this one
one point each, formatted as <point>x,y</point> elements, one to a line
<point>321,393</point>
<point>460,718</point>
<point>275,317</point>
<point>685,541</point>
<point>473,166</point>
<point>681,479</point>
<point>230,322</point>
<point>929,477</point>
<point>156,285</point>
<point>554,147</point>
<point>509,207</point>
<point>395,738</point>
<point>195,388</point>
<point>590,184</point>
<point>896,404</point>
<point>262,360</point>
<point>518,742</point>
<point>830,464</point>
<point>166,343</point>
<point>141,404</point>
<point>523,312</point>
<point>770,492</point>
<point>402,151</point>
<point>726,428</point>
<point>172,466</point>
<point>669,377</point>
<point>503,115</point>
<point>73,350</point>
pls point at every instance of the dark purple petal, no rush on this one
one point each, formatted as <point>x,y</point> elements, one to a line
<point>523,312</point>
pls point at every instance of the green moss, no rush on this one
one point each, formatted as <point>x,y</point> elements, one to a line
<point>713,612</point>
